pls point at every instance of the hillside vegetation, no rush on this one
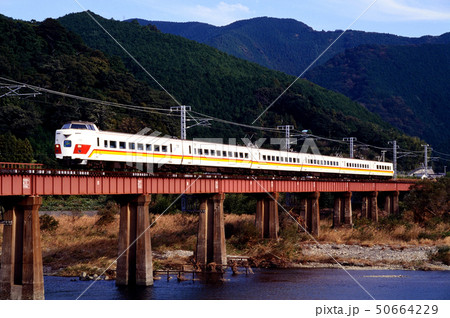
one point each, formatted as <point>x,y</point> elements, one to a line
<point>402,79</point>
<point>285,45</point>
<point>48,55</point>
<point>407,85</point>
<point>220,85</point>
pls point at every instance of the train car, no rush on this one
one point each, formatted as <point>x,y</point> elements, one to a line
<point>83,143</point>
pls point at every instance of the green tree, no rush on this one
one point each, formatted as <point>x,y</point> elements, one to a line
<point>429,199</point>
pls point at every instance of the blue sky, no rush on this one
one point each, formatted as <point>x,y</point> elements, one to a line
<point>402,17</point>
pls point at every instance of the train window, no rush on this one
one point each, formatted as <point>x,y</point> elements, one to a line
<point>122,145</point>
<point>286,159</point>
<point>156,148</point>
<point>200,152</point>
<point>213,152</point>
<point>224,153</point>
<point>148,147</point>
<point>278,158</point>
<point>206,151</point>
<point>131,145</point>
<point>140,147</point>
<point>190,150</point>
<point>281,159</point>
<point>66,126</point>
<point>230,154</point>
<point>105,143</point>
<point>91,127</point>
<point>314,161</point>
<point>164,148</point>
<point>290,159</point>
<point>241,155</point>
<point>98,142</point>
<point>78,126</point>
<point>218,153</point>
<point>264,157</point>
<point>246,155</point>
<point>112,144</point>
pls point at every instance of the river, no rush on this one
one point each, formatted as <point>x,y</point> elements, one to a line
<point>307,284</point>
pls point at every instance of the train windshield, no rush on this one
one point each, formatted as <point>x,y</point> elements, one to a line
<point>79,126</point>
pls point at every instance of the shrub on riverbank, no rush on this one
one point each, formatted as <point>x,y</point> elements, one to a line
<point>441,255</point>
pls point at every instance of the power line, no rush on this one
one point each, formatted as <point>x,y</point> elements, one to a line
<point>95,101</point>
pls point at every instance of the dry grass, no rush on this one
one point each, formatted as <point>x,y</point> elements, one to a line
<point>387,232</point>
<point>78,244</point>
<point>174,232</point>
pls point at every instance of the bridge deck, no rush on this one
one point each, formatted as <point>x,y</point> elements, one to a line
<point>72,182</point>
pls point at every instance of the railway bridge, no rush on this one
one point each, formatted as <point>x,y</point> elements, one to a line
<point>22,188</point>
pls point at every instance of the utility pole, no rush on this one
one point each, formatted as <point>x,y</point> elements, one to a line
<point>182,110</point>
<point>383,155</point>
<point>426,159</point>
<point>351,139</point>
<point>394,159</point>
<point>287,134</point>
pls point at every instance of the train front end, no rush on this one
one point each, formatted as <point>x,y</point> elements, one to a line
<point>75,141</point>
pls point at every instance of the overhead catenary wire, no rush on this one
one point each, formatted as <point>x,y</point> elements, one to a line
<point>148,109</point>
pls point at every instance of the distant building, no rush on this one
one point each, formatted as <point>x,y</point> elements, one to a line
<point>420,173</point>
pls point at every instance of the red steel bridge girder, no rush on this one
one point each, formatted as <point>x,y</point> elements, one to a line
<point>47,184</point>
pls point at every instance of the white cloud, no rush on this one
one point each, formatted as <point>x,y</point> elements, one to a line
<point>221,14</point>
<point>415,10</point>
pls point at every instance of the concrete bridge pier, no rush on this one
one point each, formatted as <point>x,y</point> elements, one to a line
<point>391,203</point>
<point>369,207</point>
<point>313,213</point>
<point>21,274</point>
<point>134,266</point>
<point>348,213</point>
<point>338,212</point>
<point>211,231</point>
<point>267,221</point>
<point>343,209</point>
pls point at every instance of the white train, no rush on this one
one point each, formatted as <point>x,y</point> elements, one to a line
<point>83,143</point>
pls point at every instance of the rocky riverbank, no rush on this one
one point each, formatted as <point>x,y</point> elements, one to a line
<point>374,256</point>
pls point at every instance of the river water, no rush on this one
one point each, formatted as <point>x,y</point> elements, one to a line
<point>307,284</point>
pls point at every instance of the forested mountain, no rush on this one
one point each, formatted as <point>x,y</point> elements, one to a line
<point>404,80</point>
<point>285,45</point>
<point>407,85</point>
<point>46,54</point>
<point>220,85</point>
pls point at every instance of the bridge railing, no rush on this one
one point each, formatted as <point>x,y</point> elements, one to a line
<point>20,165</point>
